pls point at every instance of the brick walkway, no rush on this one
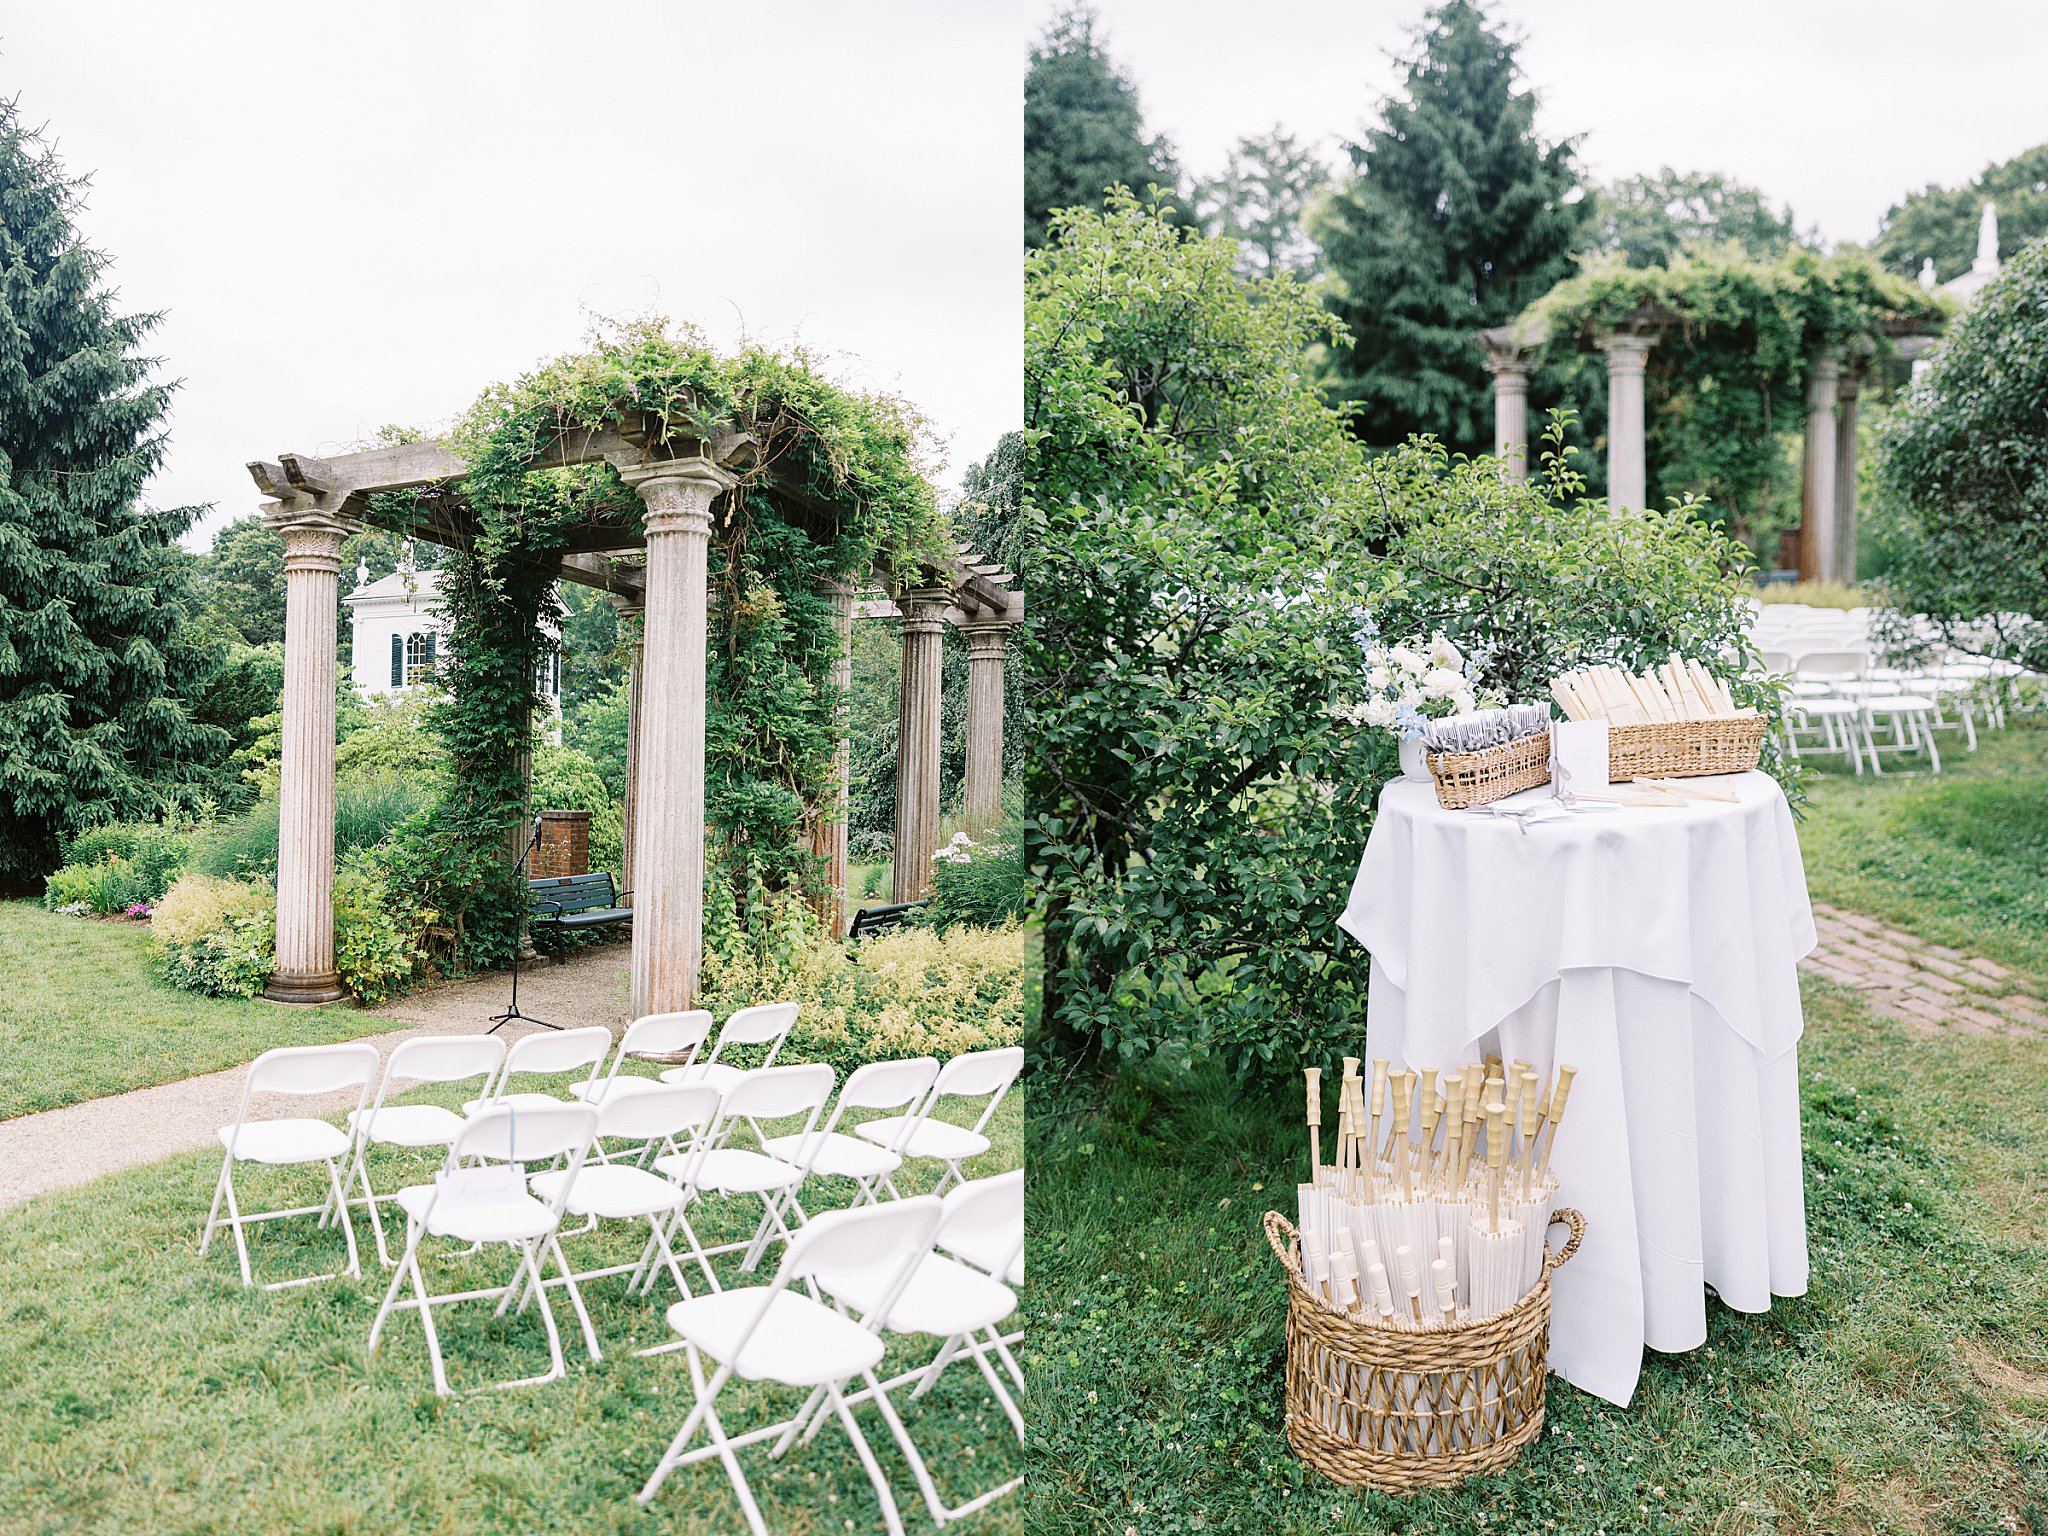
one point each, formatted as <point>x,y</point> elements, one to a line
<point>1929,987</point>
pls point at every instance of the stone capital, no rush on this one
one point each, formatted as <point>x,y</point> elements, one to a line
<point>923,609</point>
<point>1510,368</point>
<point>986,638</point>
<point>1823,373</point>
<point>312,538</point>
<point>1627,351</point>
<point>678,493</point>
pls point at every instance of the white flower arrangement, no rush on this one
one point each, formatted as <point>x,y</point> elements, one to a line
<point>1414,682</point>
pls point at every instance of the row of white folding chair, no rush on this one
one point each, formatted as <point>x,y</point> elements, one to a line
<point>877,1265</point>
<point>1838,691</point>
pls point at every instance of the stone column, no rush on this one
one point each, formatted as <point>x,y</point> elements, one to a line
<point>1628,477</point>
<point>304,970</point>
<point>668,832</point>
<point>1510,412</point>
<point>1846,391</point>
<point>630,613</point>
<point>917,741</point>
<point>1817,511</point>
<point>987,640</point>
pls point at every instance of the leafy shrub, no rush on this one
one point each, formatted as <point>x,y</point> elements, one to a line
<point>565,779</point>
<point>365,812</point>
<point>136,863</point>
<point>981,884</point>
<point>96,844</point>
<point>216,936</point>
<point>380,939</point>
<point>910,992</point>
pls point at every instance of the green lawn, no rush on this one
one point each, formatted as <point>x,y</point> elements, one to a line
<point>1907,1392</point>
<point>1960,858</point>
<point>81,1016</point>
<point>146,1391</point>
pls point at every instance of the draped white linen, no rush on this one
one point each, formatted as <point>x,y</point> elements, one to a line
<point>1657,952</point>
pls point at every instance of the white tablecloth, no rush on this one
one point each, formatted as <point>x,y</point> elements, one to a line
<point>1657,952</point>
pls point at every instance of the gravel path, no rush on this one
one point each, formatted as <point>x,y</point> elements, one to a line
<point>62,1147</point>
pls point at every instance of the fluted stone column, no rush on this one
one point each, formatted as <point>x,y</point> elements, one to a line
<point>1510,412</point>
<point>987,640</point>
<point>1846,391</point>
<point>1818,512</point>
<point>630,613</point>
<point>304,970</point>
<point>918,741</point>
<point>668,833</point>
<point>1628,478</point>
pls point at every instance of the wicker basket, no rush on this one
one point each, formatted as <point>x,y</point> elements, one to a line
<point>1465,779</point>
<point>1684,749</point>
<point>1392,1409</point>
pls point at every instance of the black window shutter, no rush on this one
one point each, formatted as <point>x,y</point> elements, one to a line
<point>398,661</point>
<point>430,649</point>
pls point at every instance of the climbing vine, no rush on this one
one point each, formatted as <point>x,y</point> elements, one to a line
<point>1726,379</point>
<point>857,462</point>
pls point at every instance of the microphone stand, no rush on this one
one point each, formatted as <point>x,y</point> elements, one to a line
<point>500,1020</point>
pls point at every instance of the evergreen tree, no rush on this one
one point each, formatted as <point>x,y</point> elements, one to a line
<point>1941,222</point>
<point>1083,130</point>
<point>1457,217</point>
<point>1261,200</point>
<point>1650,219</point>
<point>94,592</point>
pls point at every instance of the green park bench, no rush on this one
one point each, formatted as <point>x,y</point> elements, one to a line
<point>565,902</point>
<point>872,920</point>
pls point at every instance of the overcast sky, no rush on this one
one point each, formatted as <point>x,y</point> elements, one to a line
<point>1838,107</point>
<point>364,213</point>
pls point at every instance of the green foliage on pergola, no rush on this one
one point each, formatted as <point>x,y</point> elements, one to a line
<point>1736,335</point>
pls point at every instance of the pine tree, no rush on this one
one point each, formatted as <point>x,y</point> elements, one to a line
<point>94,592</point>
<point>1457,218</point>
<point>1261,201</point>
<point>1083,130</point>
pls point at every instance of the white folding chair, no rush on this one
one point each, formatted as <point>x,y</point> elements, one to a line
<point>286,1143</point>
<point>766,1024</point>
<point>668,1113</point>
<point>957,1304</point>
<point>713,1168</point>
<point>434,1059</point>
<point>777,1333</point>
<point>469,1205</point>
<point>829,1152</point>
<point>545,1055</point>
<point>968,1076</point>
<point>653,1034</point>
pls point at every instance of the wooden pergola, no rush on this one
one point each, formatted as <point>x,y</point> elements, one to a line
<point>654,566</point>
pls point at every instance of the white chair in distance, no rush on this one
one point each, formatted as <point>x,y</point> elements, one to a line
<point>672,1113</point>
<point>487,1205</point>
<point>766,1024</point>
<point>432,1059</point>
<point>545,1055</point>
<point>713,1168</point>
<point>1809,705</point>
<point>778,1333</point>
<point>293,1142</point>
<point>972,1075</point>
<point>957,1304</point>
<point>829,1152</point>
<point>653,1034</point>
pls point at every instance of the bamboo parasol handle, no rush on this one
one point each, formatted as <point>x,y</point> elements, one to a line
<point>1552,1260</point>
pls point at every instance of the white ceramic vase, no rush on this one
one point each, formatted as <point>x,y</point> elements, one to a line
<point>1413,765</point>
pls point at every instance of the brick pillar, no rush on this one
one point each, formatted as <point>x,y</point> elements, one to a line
<point>564,847</point>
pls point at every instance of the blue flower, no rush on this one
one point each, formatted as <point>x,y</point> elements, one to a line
<point>1409,723</point>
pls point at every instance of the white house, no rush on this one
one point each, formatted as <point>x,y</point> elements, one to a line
<point>399,632</point>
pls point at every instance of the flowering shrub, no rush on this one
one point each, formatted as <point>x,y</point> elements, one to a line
<point>140,911</point>
<point>111,885</point>
<point>909,992</point>
<point>1409,683</point>
<point>216,936</point>
<point>380,937</point>
<point>977,883</point>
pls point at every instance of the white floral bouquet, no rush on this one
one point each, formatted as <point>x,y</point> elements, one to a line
<point>1409,684</point>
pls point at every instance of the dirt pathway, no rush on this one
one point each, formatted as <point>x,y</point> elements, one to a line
<point>62,1147</point>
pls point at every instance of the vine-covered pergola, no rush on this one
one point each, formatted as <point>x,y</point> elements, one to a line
<point>1801,331</point>
<point>684,469</point>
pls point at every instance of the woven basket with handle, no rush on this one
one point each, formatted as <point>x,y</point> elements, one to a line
<point>1684,749</point>
<point>1466,779</point>
<point>1395,1409</point>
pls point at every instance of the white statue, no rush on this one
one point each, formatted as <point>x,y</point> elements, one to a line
<point>1927,278</point>
<point>1987,241</point>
